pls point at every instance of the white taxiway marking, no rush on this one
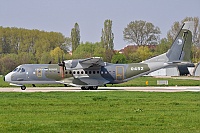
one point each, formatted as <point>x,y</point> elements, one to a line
<point>77,89</point>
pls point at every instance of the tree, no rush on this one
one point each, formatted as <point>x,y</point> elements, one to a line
<point>134,58</point>
<point>141,33</point>
<point>143,53</point>
<point>57,54</point>
<point>25,58</point>
<point>107,35</point>
<point>5,40</point>
<point>99,51</point>
<point>195,54</point>
<point>1,40</point>
<point>162,47</point>
<point>24,42</point>
<point>129,51</point>
<point>172,33</point>
<point>89,49</point>
<point>46,58</point>
<point>119,58</point>
<point>65,46</point>
<point>107,56</point>
<point>7,63</point>
<point>75,37</point>
<point>84,50</point>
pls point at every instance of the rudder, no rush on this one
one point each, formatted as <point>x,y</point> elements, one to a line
<point>180,50</point>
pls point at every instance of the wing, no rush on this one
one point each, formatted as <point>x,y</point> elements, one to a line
<point>93,61</point>
<point>84,63</point>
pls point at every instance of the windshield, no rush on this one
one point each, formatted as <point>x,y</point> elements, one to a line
<point>15,69</point>
<point>18,69</point>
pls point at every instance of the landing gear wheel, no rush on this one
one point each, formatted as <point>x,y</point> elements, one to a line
<point>23,87</point>
<point>65,85</point>
<point>85,88</point>
<point>93,87</point>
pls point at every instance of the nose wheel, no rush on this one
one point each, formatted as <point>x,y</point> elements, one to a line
<point>23,87</point>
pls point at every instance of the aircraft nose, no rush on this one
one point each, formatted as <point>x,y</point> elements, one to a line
<point>7,78</point>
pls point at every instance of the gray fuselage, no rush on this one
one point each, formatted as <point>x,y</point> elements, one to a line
<point>92,76</point>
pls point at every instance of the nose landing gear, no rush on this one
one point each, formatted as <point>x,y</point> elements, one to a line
<point>23,87</point>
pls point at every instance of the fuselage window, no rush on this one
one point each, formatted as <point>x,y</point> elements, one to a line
<point>65,72</point>
<point>78,72</point>
<point>93,72</point>
<point>74,72</point>
<point>85,72</point>
<point>106,72</point>
<point>90,72</point>
<point>97,72</point>
<point>70,72</point>
<point>81,72</point>
<point>101,72</point>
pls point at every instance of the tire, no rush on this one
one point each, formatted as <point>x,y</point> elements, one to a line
<point>93,87</point>
<point>23,87</point>
<point>85,88</point>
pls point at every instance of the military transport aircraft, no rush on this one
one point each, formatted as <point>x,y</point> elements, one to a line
<point>93,72</point>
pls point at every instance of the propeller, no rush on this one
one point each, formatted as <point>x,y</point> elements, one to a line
<point>62,66</point>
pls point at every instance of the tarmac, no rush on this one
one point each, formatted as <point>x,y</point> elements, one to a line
<point>77,89</point>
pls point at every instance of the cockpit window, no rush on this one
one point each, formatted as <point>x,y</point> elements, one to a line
<point>23,70</point>
<point>15,69</point>
<point>18,69</point>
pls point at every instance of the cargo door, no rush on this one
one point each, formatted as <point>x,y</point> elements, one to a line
<point>119,72</point>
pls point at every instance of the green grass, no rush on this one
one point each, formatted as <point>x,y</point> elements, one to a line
<point>141,81</point>
<point>115,111</point>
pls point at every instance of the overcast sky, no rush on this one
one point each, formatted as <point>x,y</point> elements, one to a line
<point>61,15</point>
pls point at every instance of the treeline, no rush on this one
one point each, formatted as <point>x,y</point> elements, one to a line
<point>19,46</point>
<point>22,46</point>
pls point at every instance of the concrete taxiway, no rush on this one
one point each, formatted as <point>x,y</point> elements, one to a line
<point>77,89</point>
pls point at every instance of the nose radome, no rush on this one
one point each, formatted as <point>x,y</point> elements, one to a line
<point>7,78</point>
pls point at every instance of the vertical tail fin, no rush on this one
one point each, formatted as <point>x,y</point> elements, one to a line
<point>181,48</point>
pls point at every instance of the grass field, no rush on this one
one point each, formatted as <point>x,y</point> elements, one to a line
<point>141,81</point>
<point>115,111</point>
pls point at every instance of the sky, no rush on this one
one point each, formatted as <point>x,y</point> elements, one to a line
<point>61,15</point>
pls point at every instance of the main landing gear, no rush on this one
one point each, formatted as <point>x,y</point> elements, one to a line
<point>89,87</point>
